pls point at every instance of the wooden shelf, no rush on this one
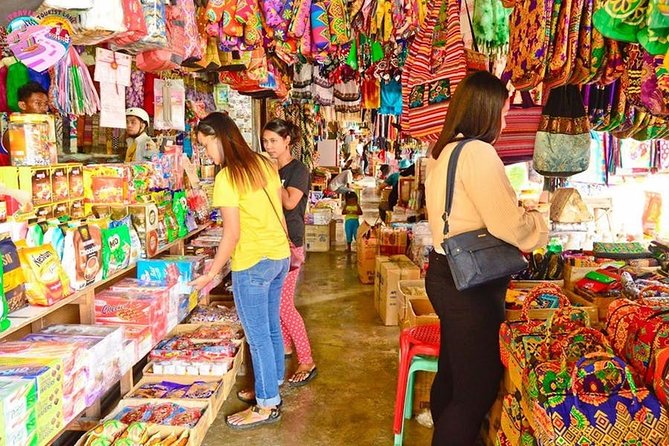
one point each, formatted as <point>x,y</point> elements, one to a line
<point>27,316</point>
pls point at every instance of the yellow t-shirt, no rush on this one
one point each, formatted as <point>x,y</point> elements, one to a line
<point>261,234</point>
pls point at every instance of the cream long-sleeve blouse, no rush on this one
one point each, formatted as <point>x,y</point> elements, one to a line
<point>483,198</point>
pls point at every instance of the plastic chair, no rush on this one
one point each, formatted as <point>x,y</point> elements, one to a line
<point>419,363</point>
<point>417,341</point>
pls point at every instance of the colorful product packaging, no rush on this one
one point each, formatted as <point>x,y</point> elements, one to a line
<point>75,177</point>
<point>145,219</point>
<point>77,209</point>
<point>178,272</point>
<point>164,293</point>
<point>106,183</point>
<point>116,250</point>
<point>84,245</point>
<point>60,184</point>
<point>12,277</point>
<point>118,308</point>
<point>17,408</point>
<point>47,377</point>
<point>32,139</point>
<point>46,280</point>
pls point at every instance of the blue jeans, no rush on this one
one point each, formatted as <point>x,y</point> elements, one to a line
<point>257,294</point>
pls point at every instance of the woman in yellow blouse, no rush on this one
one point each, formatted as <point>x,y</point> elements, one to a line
<point>248,191</point>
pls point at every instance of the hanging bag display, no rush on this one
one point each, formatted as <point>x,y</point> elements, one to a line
<point>516,143</point>
<point>434,67</point>
<point>562,147</point>
<point>475,257</point>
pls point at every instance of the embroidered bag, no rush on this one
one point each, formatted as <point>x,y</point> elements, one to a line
<point>661,378</point>
<point>529,40</point>
<point>602,405</point>
<point>655,85</point>
<point>135,24</point>
<point>565,42</point>
<point>620,19</point>
<point>562,147</point>
<point>514,423</point>
<point>516,143</point>
<point>434,67</point>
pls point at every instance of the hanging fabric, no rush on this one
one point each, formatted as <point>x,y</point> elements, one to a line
<point>434,67</point>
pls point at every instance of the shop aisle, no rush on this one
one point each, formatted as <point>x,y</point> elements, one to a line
<point>351,401</point>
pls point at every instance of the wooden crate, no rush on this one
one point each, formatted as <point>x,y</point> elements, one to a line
<point>215,401</point>
<point>600,303</point>
<point>196,434</point>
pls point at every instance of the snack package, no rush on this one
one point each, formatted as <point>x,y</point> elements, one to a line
<point>46,280</point>
<point>145,220</point>
<point>4,308</point>
<point>105,432</point>
<point>13,279</point>
<point>55,236</point>
<point>105,183</point>
<point>35,234</point>
<point>164,293</point>
<point>116,250</point>
<point>135,242</point>
<point>61,210</point>
<point>59,183</point>
<point>76,180</point>
<point>84,245</point>
<point>117,308</point>
<point>17,399</point>
<point>176,272</point>
<point>180,209</point>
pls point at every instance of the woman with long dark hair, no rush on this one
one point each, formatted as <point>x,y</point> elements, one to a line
<point>248,191</point>
<point>470,369</point>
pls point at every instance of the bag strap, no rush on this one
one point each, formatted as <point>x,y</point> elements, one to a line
<point>277,214</point>
<point>450,180</point>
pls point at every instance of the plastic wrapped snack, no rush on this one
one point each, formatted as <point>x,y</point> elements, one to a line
<point>84,245</point>
<point>12,277</point>
<point>46,280</point>
<point>116,250</point>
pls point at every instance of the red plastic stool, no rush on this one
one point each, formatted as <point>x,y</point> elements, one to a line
<point>423,340</point>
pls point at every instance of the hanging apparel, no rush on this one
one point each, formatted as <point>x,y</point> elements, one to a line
<point>347,97</point>
<point>302,81</point>
<point>323,88</point>
<point>339,23</point>
<point>371,92</point>
<point>391,98</point>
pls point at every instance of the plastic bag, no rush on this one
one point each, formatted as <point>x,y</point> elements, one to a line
<point>116,250</point>
<point>46,281</point>
<point>101,22</point>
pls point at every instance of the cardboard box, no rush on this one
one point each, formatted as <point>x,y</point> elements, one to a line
<point>145,218</point>
<point>398,268</point>
<point>61,209</point>
<point>75,177</point>
<point>59,183</point>
<point>380,260</point>
<point>317,238</point>
<point>420,312</point>
<point>366,244</point>
<point>77,209</point>
<point>422,386</point>
<point>409,289</point>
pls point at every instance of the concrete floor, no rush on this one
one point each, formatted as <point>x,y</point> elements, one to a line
<point>351,401</point>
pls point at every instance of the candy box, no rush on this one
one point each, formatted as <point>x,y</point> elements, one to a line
<point>43,212</point>
<point>145,218</point>
<point>106,183</point>
<point>24,432</point>
<point>48,379</point>
<point>114,308</point>
<point>60,184</point>
<point>140,337</point>
<point>169,272</point>
<point>61,209</point>
<point>164,293</point>
<point>17,400</point>
<point>32,139</point>
<point>77,209</point>
<point>75,176</point>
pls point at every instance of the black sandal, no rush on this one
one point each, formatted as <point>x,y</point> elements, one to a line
<point>307,378</point>
<point>251,401</point>
<point>273,417</point>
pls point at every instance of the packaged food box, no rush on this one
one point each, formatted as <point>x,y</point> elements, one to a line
<point>112,308</point>
<point>61,209</point>
<point>77,209</point>
<point>75,177</point>
<point>178,273</point>
<point>145,219</point>
<point>60,184</point>
<point>47,377</point>
<point>24,432</point>
<point>17,399</point>
<point>106,183</point>
<point>140,336</point>
<point>13,280</point>
<point>166,294</point>
<point>43,212</point>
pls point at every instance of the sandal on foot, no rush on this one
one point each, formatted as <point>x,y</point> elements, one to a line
<point>244,396</point>
<point>254,417</point>
<point>304,377</point>
<point>247,396</point>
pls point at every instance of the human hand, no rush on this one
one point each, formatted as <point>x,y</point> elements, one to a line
<point>201,282</point>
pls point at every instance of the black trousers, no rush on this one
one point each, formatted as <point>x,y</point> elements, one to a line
<point>470,369</point>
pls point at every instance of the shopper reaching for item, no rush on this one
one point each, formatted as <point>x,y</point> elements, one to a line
<point>247,189</point>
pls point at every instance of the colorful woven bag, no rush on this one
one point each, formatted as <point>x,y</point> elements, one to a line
<point>515,426</point>
<point>434,67</point>
<point>516,143</point>
<point>565,42</point>
<point>529,40</point>
<point>661,378</point>
<point>602,405</point>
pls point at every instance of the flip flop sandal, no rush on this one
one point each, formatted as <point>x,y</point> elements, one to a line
<point>274,416</point>
<point>307,379</point>
<point>251,401</point>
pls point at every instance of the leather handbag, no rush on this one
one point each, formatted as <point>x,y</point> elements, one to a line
<point>476,257</point>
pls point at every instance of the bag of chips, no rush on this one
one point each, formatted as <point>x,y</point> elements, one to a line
<point>180,208</point>
<point>12,277</point>
<point>116,250</point>
<point>46,280</point>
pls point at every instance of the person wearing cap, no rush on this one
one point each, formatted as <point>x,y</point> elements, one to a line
<point>140,145</point>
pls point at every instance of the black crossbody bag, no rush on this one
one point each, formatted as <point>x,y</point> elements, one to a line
<point>475,257</point>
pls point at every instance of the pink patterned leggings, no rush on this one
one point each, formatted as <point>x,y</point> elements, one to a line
<point>292,324</point>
